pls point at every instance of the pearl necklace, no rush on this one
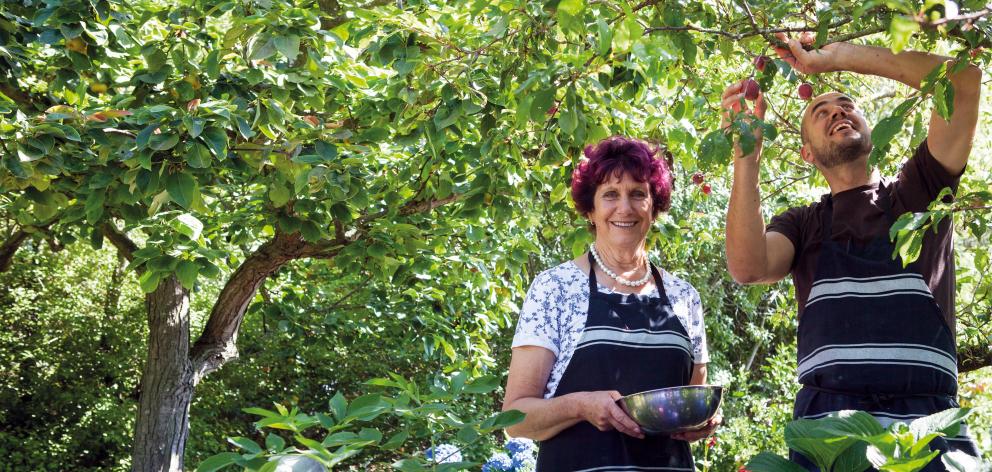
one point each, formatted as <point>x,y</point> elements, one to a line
<point>620,280</point>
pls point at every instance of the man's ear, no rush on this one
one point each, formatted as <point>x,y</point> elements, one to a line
<point>807,154</point>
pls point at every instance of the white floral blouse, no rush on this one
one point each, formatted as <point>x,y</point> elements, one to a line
<point>554,315</point>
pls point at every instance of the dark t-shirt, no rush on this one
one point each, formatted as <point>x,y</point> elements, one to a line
<point>859,216</point>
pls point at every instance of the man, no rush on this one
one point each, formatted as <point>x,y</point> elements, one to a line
<point>873,335</point>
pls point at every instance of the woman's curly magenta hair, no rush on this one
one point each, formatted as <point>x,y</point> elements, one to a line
<point>615,157</point>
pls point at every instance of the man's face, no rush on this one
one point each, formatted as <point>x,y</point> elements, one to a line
<point>836,131</point>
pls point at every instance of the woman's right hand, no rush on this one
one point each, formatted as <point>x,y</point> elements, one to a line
<point>601,409</point>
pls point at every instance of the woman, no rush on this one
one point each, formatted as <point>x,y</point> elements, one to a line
<point>607,324</point>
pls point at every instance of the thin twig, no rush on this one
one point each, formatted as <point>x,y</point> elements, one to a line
<point>968,18</point>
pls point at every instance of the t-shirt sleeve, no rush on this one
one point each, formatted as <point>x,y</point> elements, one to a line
<point>922,178</point>
<point>538,324</point>
<point>789,224</point>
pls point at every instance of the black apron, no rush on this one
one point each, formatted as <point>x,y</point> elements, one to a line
<point>630,343</point>
<point>873,338</point>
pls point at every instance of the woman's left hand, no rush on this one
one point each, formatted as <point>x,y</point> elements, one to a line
<point>700,433</point>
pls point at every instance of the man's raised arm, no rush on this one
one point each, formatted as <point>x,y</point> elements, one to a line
<point>949,142</point>
<point>753,256</point>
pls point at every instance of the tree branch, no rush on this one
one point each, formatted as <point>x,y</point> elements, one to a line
<point>335,17</point>
<point>24,100</point>
<point>974,358</point>
<point>967,18</point>
<point>10,248</point>
<point>217,344</point>
<point>428,205</point>
<point>124,245</point>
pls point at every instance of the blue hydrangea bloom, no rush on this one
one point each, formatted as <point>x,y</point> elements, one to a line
<point>524,460</point>
<point>499,462</point>
<point>518,445</point>
<point>443,453</point>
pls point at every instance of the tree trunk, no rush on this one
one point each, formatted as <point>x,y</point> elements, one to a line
<point>167,382</point>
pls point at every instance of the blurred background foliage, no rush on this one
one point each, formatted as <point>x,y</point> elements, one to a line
<point>420,152</point>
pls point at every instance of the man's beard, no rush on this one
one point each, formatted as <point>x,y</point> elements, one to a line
<point>849,150</point>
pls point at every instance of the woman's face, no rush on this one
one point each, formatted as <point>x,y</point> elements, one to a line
<point>622,212</point>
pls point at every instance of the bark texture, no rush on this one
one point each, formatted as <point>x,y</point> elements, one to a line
<point>167,382</point>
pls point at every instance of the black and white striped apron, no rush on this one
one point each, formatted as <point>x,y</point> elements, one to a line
<point>630,344</point>
<point>873,338</point>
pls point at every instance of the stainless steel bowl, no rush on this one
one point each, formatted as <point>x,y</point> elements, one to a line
<point>673,409</point>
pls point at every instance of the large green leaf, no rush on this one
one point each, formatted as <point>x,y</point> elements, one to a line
<point>822,446</point>
<point>218,461</point>
<point>947,422</point>
<point>182,188</point>
<point>768,462</point>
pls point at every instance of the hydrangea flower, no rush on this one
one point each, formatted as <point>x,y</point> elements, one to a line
<point>524,460</point>
<point>499,462</point>
<point>518,445</point>
<point>443,453</point>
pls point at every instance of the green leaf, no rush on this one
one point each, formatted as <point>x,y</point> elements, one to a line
<point>908,246</point>
<point>768,462</point>
<point>208,269</point>
<point>851,423</point>
<point>198,156</point>
<point>218,461</point>
<point>310,231</point>
<point>714,149</point>
<point>370,435</point>
<point>543,100</point>
<point>605,36</point>
<point>502,420</point>
<point>483,384</point>
<point>911,465</point>
<point>568,120</point>
<point>572,7</point>
<point>149,280</point>
<point>274,442</point>
<point>396,440</point>
<point>94,206</point>
<point>190,226</point>
<point>410,465</point>
<point>820,445</point>
<point>823,19</point>
<point>160,199</point>
<point>947,422</point>
<point>957,461</point>
<point>338,406</point>
<point>246,444</point>
<point>901,29</point>
<point>626,34</point>
<point>279,194</point>
<point>882,135</point>
<point>182,188</point>
<point>141,140</point>
<point>467,434</point>
<point>163,141</point>
<point>260,411</point>
<point>186,273</point>
<point>908,222</point>
<point>853,458</point>
<point>194,126</point>
<point>216,139</point>
<point>288,45</point>
<point>453,466</point>
<point>943,98</point>
<point>367,407</point>
<point>262,49</point>
<point>212,65</point>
